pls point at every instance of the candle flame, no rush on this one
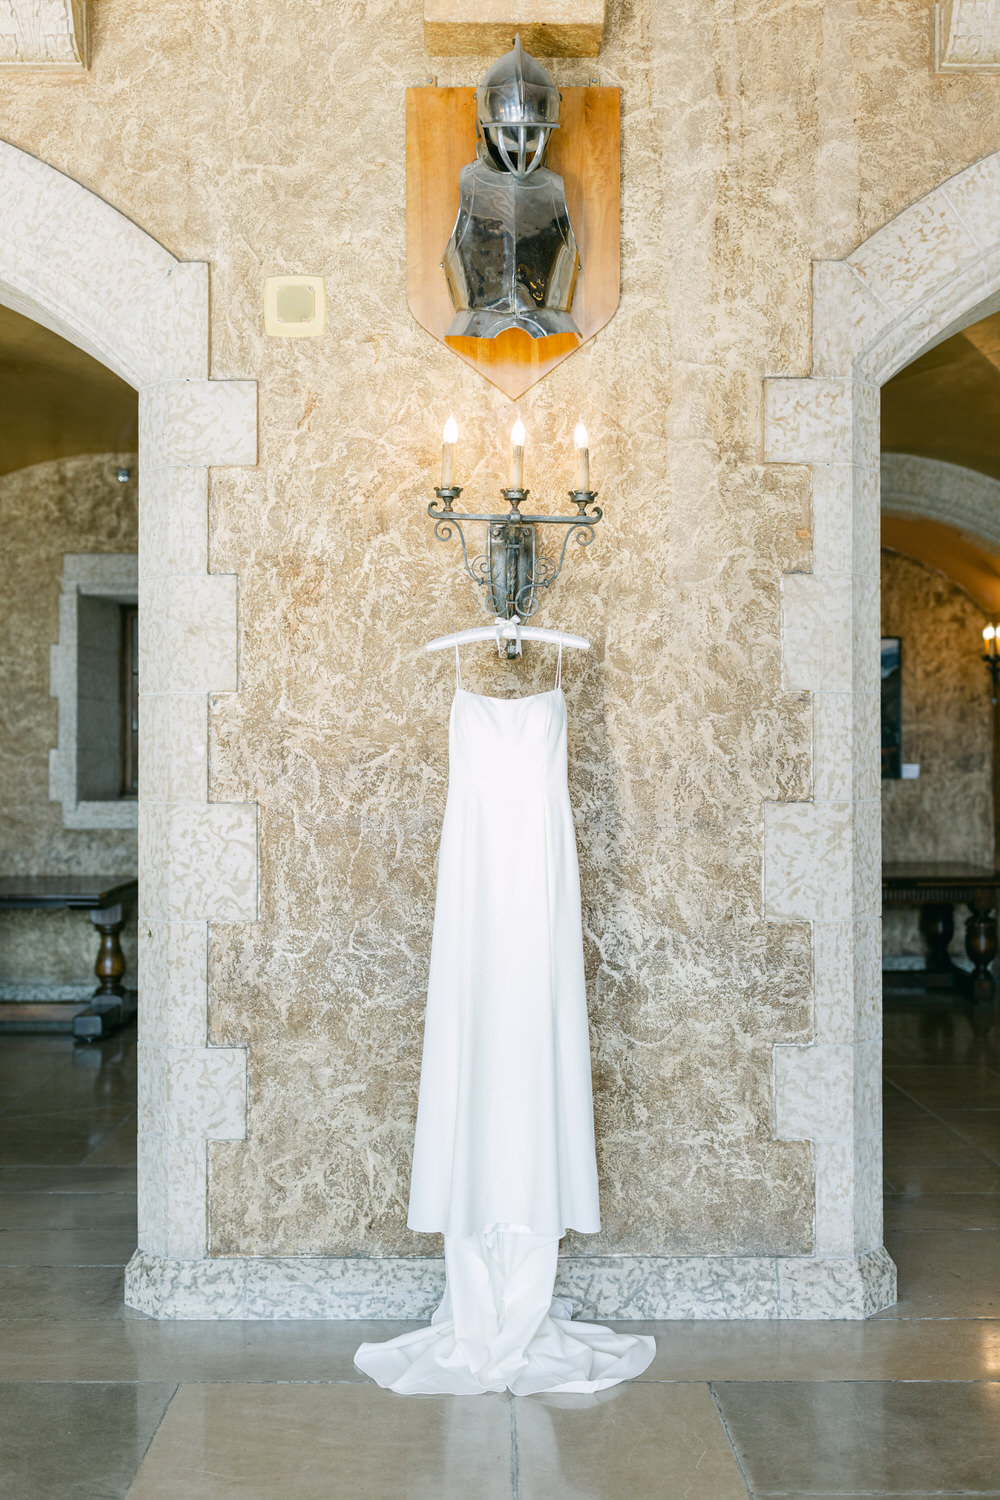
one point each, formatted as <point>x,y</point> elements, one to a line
<point>517,434</point>
<point>989,632</point>
<point>451,431</point>
<point>580,439</point>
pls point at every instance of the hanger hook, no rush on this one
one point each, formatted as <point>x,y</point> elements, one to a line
<point>500,622</point>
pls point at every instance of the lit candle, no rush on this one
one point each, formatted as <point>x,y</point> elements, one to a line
<point>448,454</point>
<point>517,456</point>
<point>990,637</point>
<point>580,441</point>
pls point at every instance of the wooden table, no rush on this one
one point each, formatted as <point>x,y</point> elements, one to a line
<point>936,888</point>
<point>105,898</point>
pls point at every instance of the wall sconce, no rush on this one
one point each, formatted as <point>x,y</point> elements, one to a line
<point>991,658</point>
<point>511,572</point>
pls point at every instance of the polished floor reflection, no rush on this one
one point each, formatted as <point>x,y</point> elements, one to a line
<point>99,1403</point>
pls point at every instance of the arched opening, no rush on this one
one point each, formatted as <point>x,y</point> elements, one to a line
<point>930,272</point>
<point>68,815</point>
<point>72,264</point>
<point>940,495</point>
<point>68,809</point>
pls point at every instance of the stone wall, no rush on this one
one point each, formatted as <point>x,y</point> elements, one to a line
<point>756,139</point>
<point>947,813</point>
<point>70,505</point>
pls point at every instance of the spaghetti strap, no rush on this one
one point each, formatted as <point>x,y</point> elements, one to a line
<point>458,668</point>
<point>558,682</point>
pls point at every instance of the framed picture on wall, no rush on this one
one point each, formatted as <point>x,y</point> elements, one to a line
<point>892,706</point>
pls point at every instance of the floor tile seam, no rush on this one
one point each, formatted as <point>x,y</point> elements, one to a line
<point>127,1195</point>
<point>903,1087</point>
<point>105,1138</point>
<point>112,1114</point>
<point>178,1380</point>
<point>903,1197</point>
<point>949,1166</point>
<point>34,1229</point>
<point>258,1379</point>
<point>934,1116</point>
<point>931,1318</point>
<point>110,1320</point>
<point>514,1449</point>
<point>982,1070</point>
<point>62,1122</point>
<point>75,1265</point>
<point>938,1228</point>
<point>965,1108</point>
<point>803,1379</point>
<point>116,1319</point>
<point>973,1108</point>
<point>737,1460</point>
<point>847,1380</point>
<point>142,1456</point>
<point>45,1082</point>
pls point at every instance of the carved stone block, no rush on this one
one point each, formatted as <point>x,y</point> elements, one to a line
<point>548,28</point>
<point>967,36</point>
<point>50,34</point>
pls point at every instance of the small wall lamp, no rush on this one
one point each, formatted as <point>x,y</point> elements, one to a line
<point>511,572</point>
<point>990,656</point>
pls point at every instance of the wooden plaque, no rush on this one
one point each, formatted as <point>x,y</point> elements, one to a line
<point>585,150</point>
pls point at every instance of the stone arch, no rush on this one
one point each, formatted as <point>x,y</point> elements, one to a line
<point>71,262</point>
<point>929,272</point>
<point>933,490</point>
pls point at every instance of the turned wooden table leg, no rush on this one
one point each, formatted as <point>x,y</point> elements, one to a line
<point>937,927</point>
<point>110,965</point>
<point>981,946</point>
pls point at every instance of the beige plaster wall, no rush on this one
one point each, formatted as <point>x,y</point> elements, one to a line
<point>947,813</point>
<point>69,505</point>
<point>756,136</point>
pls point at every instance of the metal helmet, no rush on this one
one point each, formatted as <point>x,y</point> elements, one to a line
<point>517,107</point>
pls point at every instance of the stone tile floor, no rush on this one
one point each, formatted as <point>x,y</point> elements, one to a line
<point>98,1402</point>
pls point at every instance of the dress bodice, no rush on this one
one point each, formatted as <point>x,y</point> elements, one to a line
<point>515,742</point>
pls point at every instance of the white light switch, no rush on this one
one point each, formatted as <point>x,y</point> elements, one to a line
<point>909,771</point>
<point>294,306</point>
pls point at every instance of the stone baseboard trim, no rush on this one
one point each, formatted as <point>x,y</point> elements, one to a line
<point>623,1287</point>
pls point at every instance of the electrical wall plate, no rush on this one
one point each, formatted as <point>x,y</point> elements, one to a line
<point>294,307</point>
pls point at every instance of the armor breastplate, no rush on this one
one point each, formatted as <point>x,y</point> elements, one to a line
<point>512,259</point>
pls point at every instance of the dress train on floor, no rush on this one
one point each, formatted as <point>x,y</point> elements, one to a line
<point>500,1328</point>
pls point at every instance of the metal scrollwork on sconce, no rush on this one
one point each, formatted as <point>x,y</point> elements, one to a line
<point>512,571</point>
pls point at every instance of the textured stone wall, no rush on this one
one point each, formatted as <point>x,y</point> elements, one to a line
<point>756,137</point>
<point>947,813</point>
<point>70,505</point>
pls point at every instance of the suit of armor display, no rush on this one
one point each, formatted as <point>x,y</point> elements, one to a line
<point>512,260</point>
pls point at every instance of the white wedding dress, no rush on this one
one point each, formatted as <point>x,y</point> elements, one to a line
<point>503,1160</point>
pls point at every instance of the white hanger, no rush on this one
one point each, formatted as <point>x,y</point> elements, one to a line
<point>508,630</point>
